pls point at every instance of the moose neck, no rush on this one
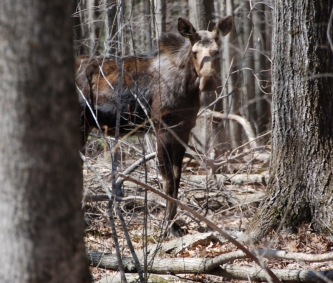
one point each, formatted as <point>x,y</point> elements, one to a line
<point>176,62</point>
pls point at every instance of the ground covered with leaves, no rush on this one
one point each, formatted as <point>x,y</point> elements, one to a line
<point>229,199</point>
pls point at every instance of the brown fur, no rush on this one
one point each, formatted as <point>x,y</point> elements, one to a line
<point>165,85</point>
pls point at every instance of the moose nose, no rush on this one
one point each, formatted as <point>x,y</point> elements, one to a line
<point>208,83</point>
<point>207,75</point>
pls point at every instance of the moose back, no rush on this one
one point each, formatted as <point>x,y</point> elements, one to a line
<point>164,86</point>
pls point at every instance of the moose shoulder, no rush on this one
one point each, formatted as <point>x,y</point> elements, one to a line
<point>163,86</point>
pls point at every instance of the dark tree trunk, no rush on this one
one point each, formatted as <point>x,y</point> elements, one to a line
<point>112,26</point>
<point>201,14</point>
<point>301,174</point>
<point>79,46</point>
<point>41,223</point>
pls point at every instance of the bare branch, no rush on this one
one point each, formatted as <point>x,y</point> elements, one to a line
<point>244,123</point>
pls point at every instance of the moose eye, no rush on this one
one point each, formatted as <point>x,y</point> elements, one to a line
<point>214,53</point>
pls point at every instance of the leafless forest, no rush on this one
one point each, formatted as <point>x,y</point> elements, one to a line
<point>225,170</point>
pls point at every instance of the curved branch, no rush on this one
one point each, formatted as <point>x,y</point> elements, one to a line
<point>243,122</point>
<point>130,169</point>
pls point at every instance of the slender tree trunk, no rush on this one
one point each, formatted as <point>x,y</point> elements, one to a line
<point>92,26</point>
<point>41,223</point>
<point>201,14</point>
<point>160,16</point>
<point>261,68</point>
<point>249,63</point>
<point>301,174</point>
<point>229,65</point>
<point>111,26</point>
<point>78,31</point>
<point>148,30</point>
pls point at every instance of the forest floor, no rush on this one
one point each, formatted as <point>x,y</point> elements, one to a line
<point>229,199</point>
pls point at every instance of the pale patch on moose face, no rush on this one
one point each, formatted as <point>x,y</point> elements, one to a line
<point>205,52</point>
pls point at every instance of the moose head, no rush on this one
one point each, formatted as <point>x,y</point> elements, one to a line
<point>205,49</point>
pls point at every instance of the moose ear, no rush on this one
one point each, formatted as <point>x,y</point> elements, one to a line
<point>186,29</point>
<point>224,25</point>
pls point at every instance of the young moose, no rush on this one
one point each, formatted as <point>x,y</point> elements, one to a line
<point>164,85</point>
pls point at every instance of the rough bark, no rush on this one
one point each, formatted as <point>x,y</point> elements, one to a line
<point>41,225</point>
<point>301,174</point>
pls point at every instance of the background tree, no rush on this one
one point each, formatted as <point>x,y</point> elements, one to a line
<point>41,224</point>
<point>301,173</point>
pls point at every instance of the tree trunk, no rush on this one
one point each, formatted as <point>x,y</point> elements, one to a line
<point>261,68</point>
<point>91,16</point>
<point>301,174</point>
<point>201,14</point>
<point>231,64</point>
<point>41,225</point>
<point>160,17</point>
<point>250,103</point>
<point>111,27</point>
<point>148,30</point>
<point>78,30</point>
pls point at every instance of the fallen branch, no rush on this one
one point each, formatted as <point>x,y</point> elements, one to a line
<point>302,257</point>
<point>133,278</point>
<point>155,265</point>
<point>212,266</point>
<point>179,244</point>
<point>234,179</point>
<point>137,199</point>
<point>269,254</point>
<point>285,275</point>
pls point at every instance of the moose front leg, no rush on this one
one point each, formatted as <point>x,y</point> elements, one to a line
<point>170,156</point>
